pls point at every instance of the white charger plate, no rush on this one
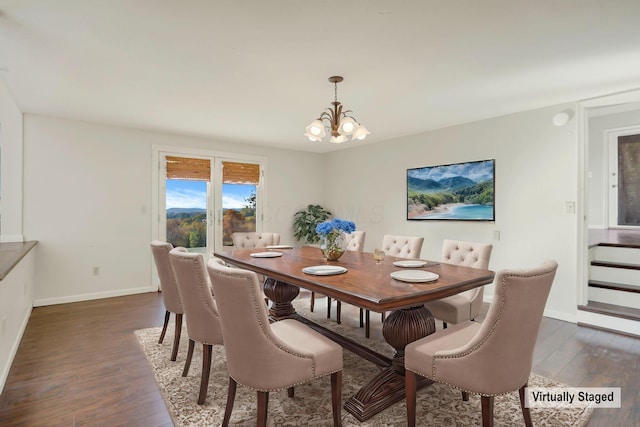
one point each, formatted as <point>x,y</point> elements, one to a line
<point>279,247</point>
<point>324,270</point>
<point>409,263</point>
<point>414,276</point>
<point>266,254</point>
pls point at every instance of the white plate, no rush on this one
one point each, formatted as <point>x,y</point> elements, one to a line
<point>414,276</point>
<point>409,263</point>
<point>279,247</point>
<point>324,270</point>
<point>266,254</point>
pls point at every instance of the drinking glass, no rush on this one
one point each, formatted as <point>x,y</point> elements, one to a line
<point>378,255</point>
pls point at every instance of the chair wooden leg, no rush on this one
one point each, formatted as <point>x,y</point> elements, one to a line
<point>367,315</point>
<point>176,337</point>
<point>361,318</point>
<point>336,398</point>
<point>187,362</point>
<point>410,393</point>
<point>526,413</point>
<point>313,301</point>
<point>263,403</point>
<point>338,311</point>
<point>206,370</point>
<point>164,326</point>
<point>231,397</point>
<point>328,308</point>
<point>383,316</point>
<point>487,411</point>
<point>291,392</point>
<point>465,396</point>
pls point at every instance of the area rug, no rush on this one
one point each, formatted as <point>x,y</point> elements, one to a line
<point>437,405</point>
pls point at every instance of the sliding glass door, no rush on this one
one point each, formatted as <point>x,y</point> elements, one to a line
<point>239,199</point>
<point>202,200</point>
<point>187,202</point>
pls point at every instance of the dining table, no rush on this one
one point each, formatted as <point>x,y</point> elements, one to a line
<point>395,285</point>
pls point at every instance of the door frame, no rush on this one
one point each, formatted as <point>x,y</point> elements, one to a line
<point>212,214</point>
<point>583,110</point>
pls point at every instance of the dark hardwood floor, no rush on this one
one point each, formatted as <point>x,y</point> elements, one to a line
<point>80,365</point>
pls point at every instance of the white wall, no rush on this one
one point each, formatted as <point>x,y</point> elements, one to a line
<point>536,174</point>
<point>11,168</point>
<point>598,155</point>
<point>87,195</point>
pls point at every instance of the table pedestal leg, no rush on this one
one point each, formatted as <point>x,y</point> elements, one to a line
<point>399,329</point>
<point>281,294</point>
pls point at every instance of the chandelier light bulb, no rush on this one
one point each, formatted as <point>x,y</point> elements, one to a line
<point>347,125</point>
<point>360,133</point>
<point>315,130</point>
<point>316,127</point>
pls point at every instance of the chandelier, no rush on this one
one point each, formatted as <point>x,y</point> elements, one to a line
<point>340,122</point>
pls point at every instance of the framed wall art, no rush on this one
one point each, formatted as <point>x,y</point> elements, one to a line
<point>460,191</point>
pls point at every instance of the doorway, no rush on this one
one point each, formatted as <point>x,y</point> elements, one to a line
<point>200,198</point>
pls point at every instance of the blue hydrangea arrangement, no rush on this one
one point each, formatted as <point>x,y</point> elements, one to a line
<point>335,226</point>
<point>333,244</point>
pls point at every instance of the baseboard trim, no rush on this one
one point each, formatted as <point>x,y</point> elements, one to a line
<point>559,315</point>
<point>601,328</point>
<point>608,323</point>
<point>88,297</point>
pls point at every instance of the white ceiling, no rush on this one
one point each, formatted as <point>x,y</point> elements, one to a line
<point>256,70</point>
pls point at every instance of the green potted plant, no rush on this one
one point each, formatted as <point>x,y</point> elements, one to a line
<point>305,222</point>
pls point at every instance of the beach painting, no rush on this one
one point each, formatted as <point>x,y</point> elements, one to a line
<point>461,191</point>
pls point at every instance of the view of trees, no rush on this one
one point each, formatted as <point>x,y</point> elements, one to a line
<point>188,231</point>
<point>478,194</point>
<point>188,227</point>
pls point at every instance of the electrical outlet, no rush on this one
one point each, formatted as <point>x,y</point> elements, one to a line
<point>95,270</point>
<point>496,234</point>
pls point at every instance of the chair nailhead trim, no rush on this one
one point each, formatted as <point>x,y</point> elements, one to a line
<point>267,331</point>
<point>474,348</point>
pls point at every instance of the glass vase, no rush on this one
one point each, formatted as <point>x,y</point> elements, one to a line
<point>333,246</point>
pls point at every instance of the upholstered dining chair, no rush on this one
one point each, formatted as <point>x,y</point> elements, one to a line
<point>250,240</point>
<point>397,246</point>
<point>268,356</point>
<point>489,358</point>
<point>203,324</point>
<point>355,242</point>
<point>465,305</point>
<point>170,294</point>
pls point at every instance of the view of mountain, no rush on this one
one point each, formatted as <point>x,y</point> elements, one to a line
<point>178,213</point>
<point>454,183</point>
<point>457,191</point>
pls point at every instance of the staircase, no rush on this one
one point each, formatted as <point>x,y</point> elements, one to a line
<point>614,288</point>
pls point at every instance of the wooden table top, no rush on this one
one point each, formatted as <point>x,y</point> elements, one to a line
<point>365,284</point>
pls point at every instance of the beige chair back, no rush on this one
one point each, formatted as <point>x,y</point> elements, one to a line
<point>468,254</point>
<point>499,357</point>
<point>355,241</point>
<point>203,322</point>
<point>402,246</point>
<point>170,293</point>
<point>250,240</point>
<point>257,357</point>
